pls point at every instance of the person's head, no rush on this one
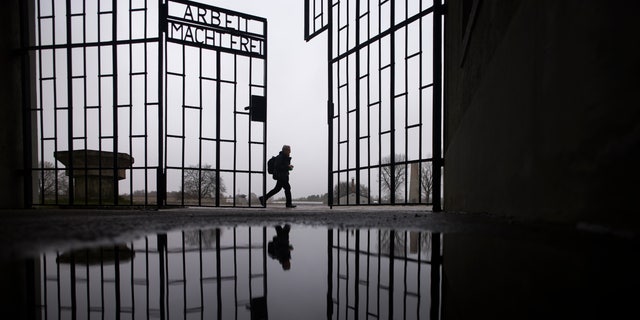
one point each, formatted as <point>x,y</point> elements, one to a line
<point>286,149</point>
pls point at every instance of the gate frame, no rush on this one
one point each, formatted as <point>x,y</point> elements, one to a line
<point>32,48</point>
<point>326,24</point>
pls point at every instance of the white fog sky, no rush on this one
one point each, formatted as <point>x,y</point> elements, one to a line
<point>297,91</point>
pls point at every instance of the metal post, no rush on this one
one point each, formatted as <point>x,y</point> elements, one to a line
<point>437,104</point>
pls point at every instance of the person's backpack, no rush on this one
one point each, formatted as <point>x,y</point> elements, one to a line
<point>271,164</point>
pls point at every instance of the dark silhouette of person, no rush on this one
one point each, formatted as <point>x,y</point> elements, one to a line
<point>280,248</point>
<point>281,175</point>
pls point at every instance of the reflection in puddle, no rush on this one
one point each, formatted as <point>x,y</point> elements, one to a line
<point>247,273</point>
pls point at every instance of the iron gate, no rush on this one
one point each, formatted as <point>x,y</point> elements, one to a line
<point>146,103</point>
<point>384,99</point>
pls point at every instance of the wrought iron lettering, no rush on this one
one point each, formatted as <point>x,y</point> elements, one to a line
<point>210,27</point>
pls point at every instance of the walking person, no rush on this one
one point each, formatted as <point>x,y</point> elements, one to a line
<point>281,175</point>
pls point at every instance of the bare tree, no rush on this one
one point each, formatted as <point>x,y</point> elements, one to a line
<point>53,181</point>
<point>426,180</point>
<point>201,182</point>
<point>393,176</point>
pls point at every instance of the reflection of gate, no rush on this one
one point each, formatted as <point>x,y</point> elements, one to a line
<point>383,274</point>
<point>159,103</point>
<point>385,107</point>
<point>204,274</point>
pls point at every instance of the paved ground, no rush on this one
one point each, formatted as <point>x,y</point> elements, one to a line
<point>25,232</point>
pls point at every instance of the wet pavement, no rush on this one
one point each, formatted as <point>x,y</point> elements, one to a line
<point>343,263</point>
<point>68,228</point>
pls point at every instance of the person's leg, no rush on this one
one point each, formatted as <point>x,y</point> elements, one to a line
<point>287,193</point>
<point>276,189</point>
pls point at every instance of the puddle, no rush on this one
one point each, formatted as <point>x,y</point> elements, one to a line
<point>311,272</point>
<point>282,272</point>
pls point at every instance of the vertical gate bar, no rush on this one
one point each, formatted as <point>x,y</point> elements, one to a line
<point>392,236</point>
<point>379,69</point>
<point>45,287</point>
<point>379,260</point>
<point>101,278</point>
<point>264,260</point>
<point>404,275</point>
<point>161,176</point>
<point>218,73</point>
<point>58,286</point>
<point>200,107</point>
<point>184,278</point>
<point>369,105</point>
<point>27,142</point>
<point>114,67</point>
<point>346,282</point>
<point>133,291</point>
<point>356,281</point>
<point>88,286</point>
<point>420,106</point>
<point>131,100</point>
<point>437,104</point>
<point>419,276</point>
<point>183,135</point>
<point>406,107</point>
<point>358,102</point>
<point>146,273</point>
<point>100,106</point>
<point>116,267</point>
<point>40,123</point>
<point>218,266</point>
<point>250,131</point>
<point>306,20</point>
<point>235,127</point>
<point>338,103</point>
<point>368,272</point>
<point>436,262</point>
<point>84,70</point>
<point>55,106</point>
<point>330,106</point>
<point>264,125</point>
<point>329,298</point>
<point>70,103</point>
<point>145,106</point>
<point>162,261</point>
<point>392,102</point>
<point>201,273</point>
<point>72,285</point>
<point>235,271</point>
<point>250,264</point>
<point>348,104</point>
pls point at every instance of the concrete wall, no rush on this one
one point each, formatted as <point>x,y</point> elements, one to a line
<point>542,120</point>
<point>524,275</point>
<point>11,142</point>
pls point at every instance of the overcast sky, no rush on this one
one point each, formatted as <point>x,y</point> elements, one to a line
<point>297,91</point>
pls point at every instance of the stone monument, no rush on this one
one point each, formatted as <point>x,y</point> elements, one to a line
<point>95,173</point>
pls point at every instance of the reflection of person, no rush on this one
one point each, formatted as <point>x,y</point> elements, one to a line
<point>280,248</point>
<point>281,175</point>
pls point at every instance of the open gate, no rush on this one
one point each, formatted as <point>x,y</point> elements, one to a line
<point>384,107</point>
<point>146,104</point>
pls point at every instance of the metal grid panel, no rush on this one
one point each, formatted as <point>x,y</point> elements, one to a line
<point>120,96</point>
<point>385,107</point>
<point>97,97</point>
